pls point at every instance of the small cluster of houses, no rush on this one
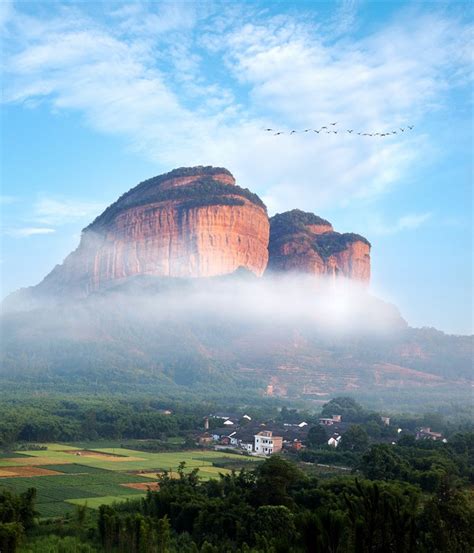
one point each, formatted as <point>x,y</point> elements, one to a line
<point>425,433</point>
<point>260,438</point>
<point>265,438</point>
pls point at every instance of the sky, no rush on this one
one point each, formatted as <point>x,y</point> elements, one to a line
<point>97,97</point>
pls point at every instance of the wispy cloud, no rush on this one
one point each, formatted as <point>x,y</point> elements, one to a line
<point>58,212</point>
<point>28,231</point>
<point>7,200</point>
<point>146,77</point>
<point>410,221</point>
<point>344,18</point>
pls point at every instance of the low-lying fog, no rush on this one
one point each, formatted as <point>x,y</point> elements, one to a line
<point>330,306</point>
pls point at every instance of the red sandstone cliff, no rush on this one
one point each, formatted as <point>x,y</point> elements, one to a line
<point>304,242</point>
<point>191,222</point>
<point>196,222</point>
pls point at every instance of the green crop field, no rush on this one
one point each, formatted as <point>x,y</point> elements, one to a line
<point>96,502</point>
<point>78,482</point>
<point>97,476</point>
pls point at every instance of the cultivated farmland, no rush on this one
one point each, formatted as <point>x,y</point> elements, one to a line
<point>65,476</point>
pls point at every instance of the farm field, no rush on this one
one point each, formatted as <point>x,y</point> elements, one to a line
<point>65,475</point>
<point>96,502</point>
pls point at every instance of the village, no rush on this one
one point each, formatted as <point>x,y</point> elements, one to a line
<point>233,431</point>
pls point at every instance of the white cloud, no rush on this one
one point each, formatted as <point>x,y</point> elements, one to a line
<point>344,19</point>
<point>410,221</point>
<point>7,200</point>
<point>28,231</point>
<point>148,79</point>
<point>57,212</point>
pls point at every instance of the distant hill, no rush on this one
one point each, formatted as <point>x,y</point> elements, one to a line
<point>228,335</point>
<point>185,282</point>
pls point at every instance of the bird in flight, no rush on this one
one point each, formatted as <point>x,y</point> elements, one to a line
<point>328,130</point>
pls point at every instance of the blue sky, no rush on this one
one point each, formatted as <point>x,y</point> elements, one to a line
<point>99,96</point>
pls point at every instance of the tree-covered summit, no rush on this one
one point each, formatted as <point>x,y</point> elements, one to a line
<point>295,220</point>
<point>205,190</point>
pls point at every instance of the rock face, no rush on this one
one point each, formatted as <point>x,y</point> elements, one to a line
<point>303,242</point>
<point>196,222</point>
<point>191,222</point>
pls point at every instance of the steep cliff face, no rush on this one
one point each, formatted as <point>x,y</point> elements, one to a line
<point>191,222</point>
<point>304,242</point>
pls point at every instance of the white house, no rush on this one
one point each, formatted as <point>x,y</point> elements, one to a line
<point>334,440</point>
<point>266,443</point>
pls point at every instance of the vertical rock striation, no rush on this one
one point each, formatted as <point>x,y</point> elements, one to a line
<point>191,222</point>
<point>303,242</point>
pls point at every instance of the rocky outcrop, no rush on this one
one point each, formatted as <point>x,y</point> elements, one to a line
<point>196,222</point>
<point>303,242</point>
<point>191,222</point>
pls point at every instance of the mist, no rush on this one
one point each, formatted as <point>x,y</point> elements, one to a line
<point>335,307</point>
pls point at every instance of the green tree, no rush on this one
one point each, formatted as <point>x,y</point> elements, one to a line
<point>275,477</point>
<point>276,524</point>
<point>447,521</point>
<point>350,410</point>
<point>382,518</point>
<point>355,439</point>
<point>323,531</point>
<point>317,436</point>
<point>11,534</point>
<point>380,462</point>
<point>163,530</point>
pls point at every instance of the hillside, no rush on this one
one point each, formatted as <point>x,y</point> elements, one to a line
<point>163,334</point>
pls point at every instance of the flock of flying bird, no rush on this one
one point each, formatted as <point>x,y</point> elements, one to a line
<point>328,130</point>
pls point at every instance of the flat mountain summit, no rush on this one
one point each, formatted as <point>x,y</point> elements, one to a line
<point>196,222</point>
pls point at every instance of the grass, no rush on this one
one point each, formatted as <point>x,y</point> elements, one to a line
<point>10,454</point>
<point>75,468</point>
<point>96,502</point>
<point>142,460</point>
<point>97,481</point>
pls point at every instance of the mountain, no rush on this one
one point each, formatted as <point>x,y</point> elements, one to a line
<point>191,222</point>
<point>304,242</point>
<point>195,222</point>
<point>169,287</point>
<point>232,336</point>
